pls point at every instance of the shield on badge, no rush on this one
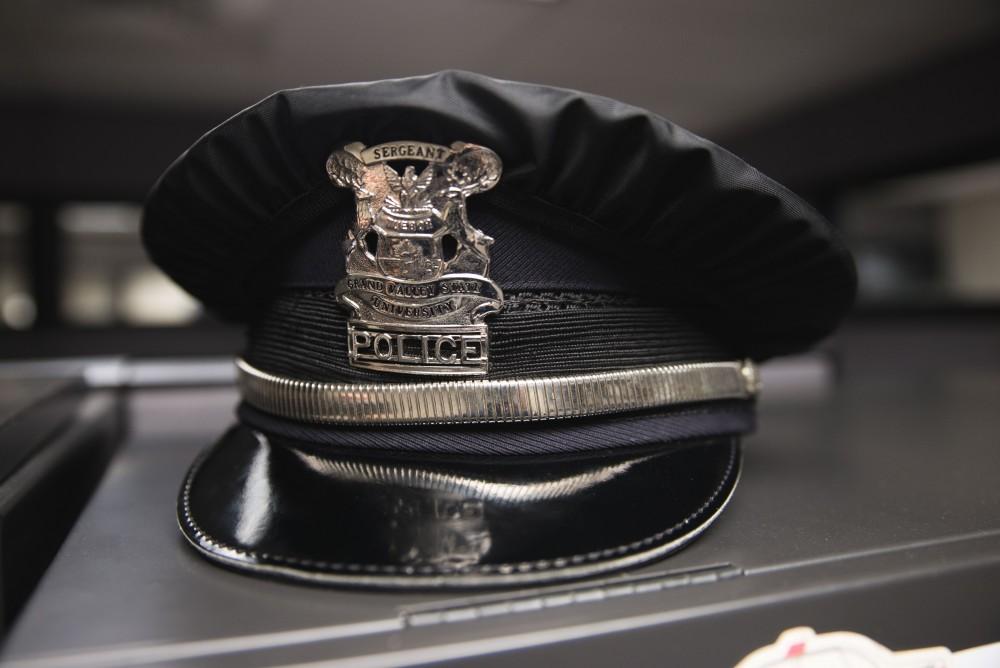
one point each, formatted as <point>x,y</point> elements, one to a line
<point>410,256</point>
<point>409,243</point>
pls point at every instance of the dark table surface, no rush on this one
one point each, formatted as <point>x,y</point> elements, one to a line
<point>869,503</point>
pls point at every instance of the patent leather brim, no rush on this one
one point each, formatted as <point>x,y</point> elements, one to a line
<point>385,520</point>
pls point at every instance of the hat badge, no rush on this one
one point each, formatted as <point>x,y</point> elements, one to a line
<point>417,270</point>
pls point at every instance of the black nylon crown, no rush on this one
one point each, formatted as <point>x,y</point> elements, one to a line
<point>689,223</point>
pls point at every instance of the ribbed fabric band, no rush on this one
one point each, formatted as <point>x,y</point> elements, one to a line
<point>548,438</point>
<point>303,335</point>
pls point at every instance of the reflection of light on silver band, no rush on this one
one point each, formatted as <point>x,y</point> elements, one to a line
<point>491,401</point>
<point>442,481</point>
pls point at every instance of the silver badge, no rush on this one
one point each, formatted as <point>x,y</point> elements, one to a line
<point>416,269</point>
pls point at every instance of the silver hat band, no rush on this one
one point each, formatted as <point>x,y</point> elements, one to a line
<point>493,401</point>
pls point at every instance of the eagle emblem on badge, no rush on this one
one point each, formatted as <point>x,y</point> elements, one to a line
<point>417,269</point>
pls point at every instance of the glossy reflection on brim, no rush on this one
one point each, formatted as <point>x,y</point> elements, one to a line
<point>388,520</point>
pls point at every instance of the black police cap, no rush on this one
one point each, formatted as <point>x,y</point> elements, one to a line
<point>498,332</point>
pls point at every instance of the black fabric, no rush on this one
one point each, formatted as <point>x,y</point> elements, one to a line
<point>302,334</point>
<point>616,180</point>
<point>607,432</point>
<point>271,506</point>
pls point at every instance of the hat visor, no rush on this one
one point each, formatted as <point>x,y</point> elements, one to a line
<point>294,510</point>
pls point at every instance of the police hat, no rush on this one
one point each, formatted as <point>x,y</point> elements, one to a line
<point>498,333</point>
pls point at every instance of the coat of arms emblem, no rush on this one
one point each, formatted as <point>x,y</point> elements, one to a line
<point>416,268</point>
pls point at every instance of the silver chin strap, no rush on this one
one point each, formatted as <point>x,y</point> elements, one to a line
<point>497,401</point>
